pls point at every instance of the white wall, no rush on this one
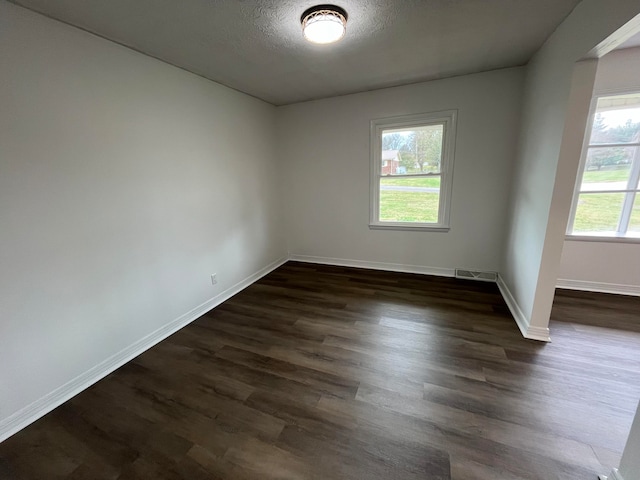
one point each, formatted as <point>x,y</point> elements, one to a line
<point>124,183</point>
<point>618,70</point>
<point>630,462</point>
<point>606,266</point>
<point>600,266</point>
<point>325,147</point>
<point>541,195</point>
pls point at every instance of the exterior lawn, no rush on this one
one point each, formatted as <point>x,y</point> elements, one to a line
<point>600,212</point>
<point>431,182</point>
<point>597,212</point>
<point>398,206</point>
<point>408,206</point>
<point>615,175</point>
<point>634,223</point>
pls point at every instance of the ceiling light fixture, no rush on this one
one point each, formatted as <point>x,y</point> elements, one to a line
<point>324,23</point>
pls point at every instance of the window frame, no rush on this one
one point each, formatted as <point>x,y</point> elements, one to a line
<point>627,207</point>
<point>447,118</point>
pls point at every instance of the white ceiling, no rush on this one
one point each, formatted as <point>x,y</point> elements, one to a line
<point>256,46</point>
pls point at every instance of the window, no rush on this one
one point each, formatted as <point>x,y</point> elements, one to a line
<point>411,171</point>
<point>606,202</point>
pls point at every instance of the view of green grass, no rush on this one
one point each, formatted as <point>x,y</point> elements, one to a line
<point>433,182</point>
<point>598,212</point>
<point>614,175</point>
<point>634,223</point>
<point>398,206</point>
<point>407,205</point>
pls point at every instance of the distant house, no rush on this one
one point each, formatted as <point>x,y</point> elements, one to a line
<point>390,162</point>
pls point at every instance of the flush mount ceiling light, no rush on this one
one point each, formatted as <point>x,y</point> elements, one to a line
<point>324,23</point>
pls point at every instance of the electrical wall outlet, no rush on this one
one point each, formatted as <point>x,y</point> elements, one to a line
<point>214,278</point>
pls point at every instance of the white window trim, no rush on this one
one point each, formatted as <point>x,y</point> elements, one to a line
<point>448,119</point>
<point>581,236</point>
<point>601,239</point>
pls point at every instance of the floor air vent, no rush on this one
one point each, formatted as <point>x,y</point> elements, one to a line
<point>473,275</point>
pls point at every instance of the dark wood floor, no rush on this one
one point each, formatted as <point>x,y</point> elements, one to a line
<point>330,373</point>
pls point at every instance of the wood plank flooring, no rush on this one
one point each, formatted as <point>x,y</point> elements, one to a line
<point>319,372</point>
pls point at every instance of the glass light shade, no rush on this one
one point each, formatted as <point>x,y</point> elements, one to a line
<point>324,26</point>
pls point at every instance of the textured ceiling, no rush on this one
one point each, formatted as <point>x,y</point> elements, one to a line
<point>256,46</point>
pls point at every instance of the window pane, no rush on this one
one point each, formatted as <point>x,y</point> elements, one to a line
<point>634,222</point>
<point>607,168</point>
<point>412,150</point>
<point>409,199</point>
<point>617,119</point>
<point>598,212</point>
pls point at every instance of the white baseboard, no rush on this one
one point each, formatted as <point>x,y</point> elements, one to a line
<point>391,267</point>
<point>44,405</point>
<point>614,475</point>
<point>528,331</point>
<point>616,288</point>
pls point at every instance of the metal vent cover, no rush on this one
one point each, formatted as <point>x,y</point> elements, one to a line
<point>476,275</point>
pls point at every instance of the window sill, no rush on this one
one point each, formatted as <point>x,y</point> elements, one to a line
<point>409,227</point>
<point>601,239</point>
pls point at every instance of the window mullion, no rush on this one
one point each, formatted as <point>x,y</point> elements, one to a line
<point>587,192</point>
<point>412,175</point>
<point>625,215</point>
<point>629,198</point>
<point>634,175</point>
<point>613,145</point>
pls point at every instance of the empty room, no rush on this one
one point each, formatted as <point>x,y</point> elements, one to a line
<point>289,240</point>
